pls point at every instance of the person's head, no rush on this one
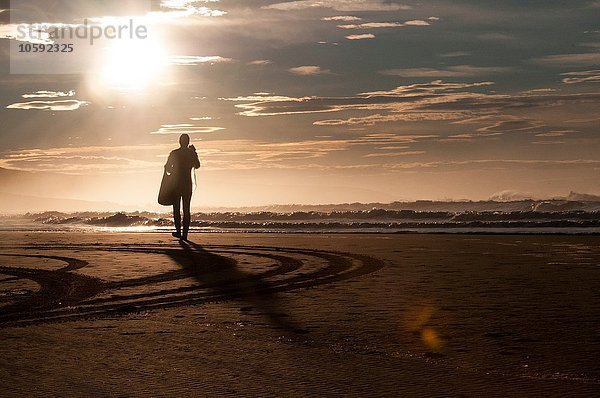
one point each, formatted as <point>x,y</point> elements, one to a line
<point>184,140</point>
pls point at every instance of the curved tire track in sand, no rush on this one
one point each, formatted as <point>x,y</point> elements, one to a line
<point>66,295</point>
<point>58,287</point>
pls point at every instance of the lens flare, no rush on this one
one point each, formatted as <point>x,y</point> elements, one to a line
<point>431,339</point>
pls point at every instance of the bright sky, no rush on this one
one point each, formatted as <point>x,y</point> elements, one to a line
<point>323,101</point>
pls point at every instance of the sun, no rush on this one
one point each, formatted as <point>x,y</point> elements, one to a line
<point>132,64</point>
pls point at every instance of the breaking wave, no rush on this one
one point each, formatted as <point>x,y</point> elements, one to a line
<point>503,217</point>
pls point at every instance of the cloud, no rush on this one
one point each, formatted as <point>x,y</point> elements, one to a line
<point>49,94</point>
<point>266,97</point>
<point>498,124</point>
<point>82,160</point>
<point>340,5</point>
<point>555,133</point>
<point>417,22</point>
<point>240,154</point>
<point>185,128</point>
<point>425,89</point>
<point>76,163</point>
<point>196,60</point>
<point>587,76</point>
<point>548,142</point>
<point>494,164</point>
<point>590,44</point>
<point>188,8</point>
<point>469,137</point>
<point>393,154</point>
<point>63,105</point>
<point>372,25</point>
<point>511,125</point>
<point>452,71</point>
<point>454,54</point>
<point>361,37</point>
<point>489,113</point>
<point>260,62</point>
<point>170,10</point>
<point>11,32</point>
<point>585,59</point>
<point>539,91</point>
<point>399,117</point>
<point>307,70</point>
<point>312,149</point>
<point>345,18</point>
<point>182,4</point>
<point>390,24</point>
<point>251,155</point>
<point>406,97</point>
<point>254,105</point>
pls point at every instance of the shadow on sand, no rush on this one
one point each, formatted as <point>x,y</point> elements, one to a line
<point>221,276</point>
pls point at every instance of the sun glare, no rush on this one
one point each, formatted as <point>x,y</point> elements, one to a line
<point>132,64</point>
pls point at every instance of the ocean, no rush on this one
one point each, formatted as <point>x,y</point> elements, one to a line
<point>525,216</point>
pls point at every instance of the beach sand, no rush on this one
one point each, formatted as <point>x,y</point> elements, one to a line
<point>116,314</point>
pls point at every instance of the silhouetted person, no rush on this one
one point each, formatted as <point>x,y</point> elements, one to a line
<point>180,164</point>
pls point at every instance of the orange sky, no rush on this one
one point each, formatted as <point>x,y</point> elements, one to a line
<point>312,102</point>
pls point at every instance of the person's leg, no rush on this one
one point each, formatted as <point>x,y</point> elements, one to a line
<point>177,216</point>
<point>187,200</point>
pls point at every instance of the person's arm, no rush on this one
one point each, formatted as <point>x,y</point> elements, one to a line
<point>196,160</point>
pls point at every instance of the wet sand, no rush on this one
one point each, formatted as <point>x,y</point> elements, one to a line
<point>299,315</point>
